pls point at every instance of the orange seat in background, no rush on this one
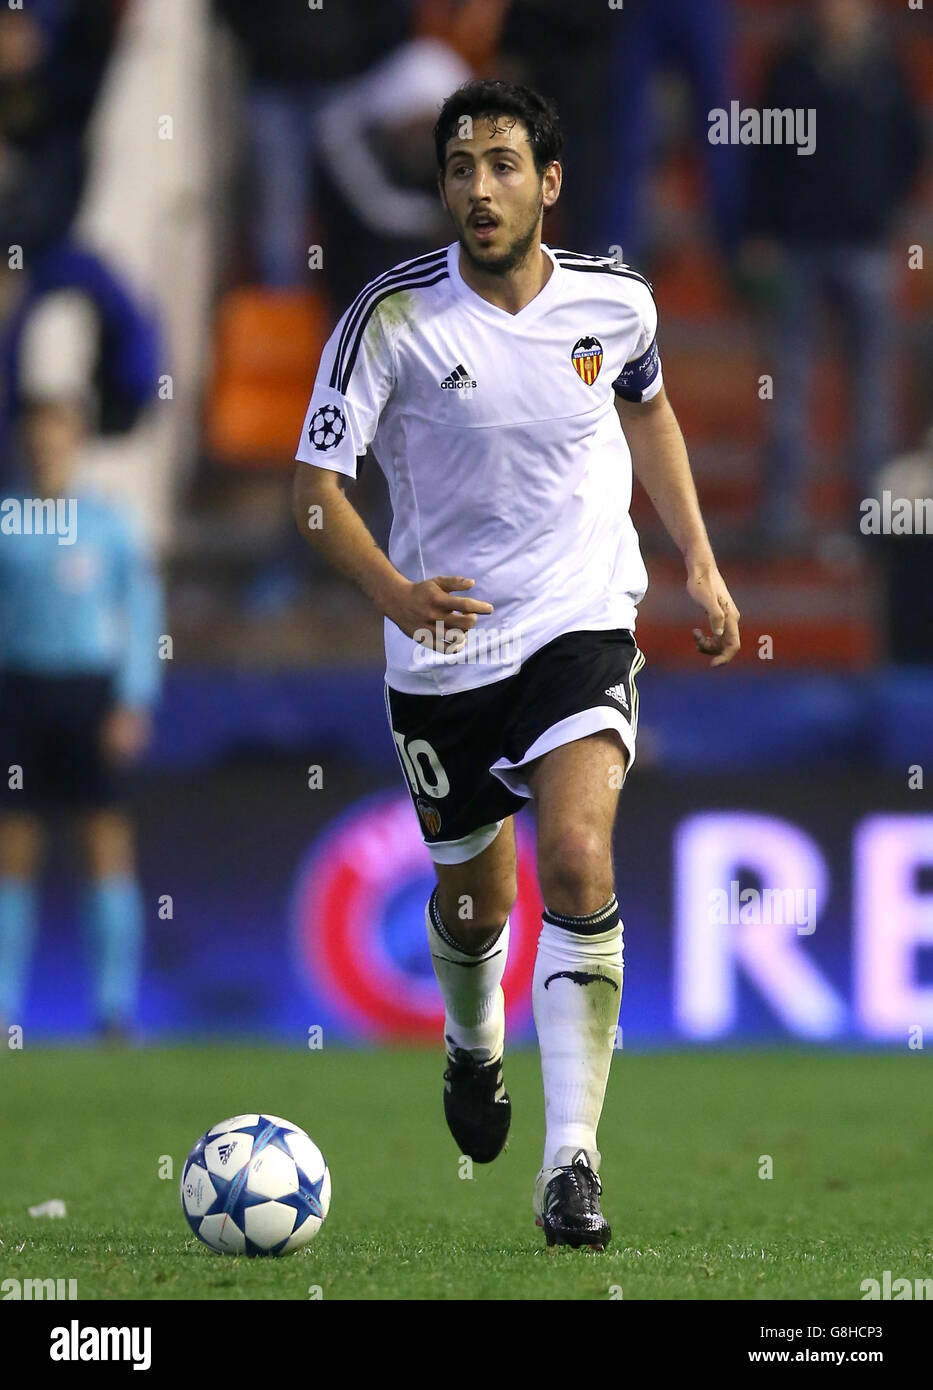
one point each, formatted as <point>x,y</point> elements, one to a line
<point>267,345</point>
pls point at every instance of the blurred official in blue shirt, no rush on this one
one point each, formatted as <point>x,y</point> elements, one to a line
<point>80,622</point>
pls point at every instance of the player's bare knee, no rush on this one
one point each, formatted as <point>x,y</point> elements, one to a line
<point>575,871</point>
<point>108,844</point>
<point>20,846</point>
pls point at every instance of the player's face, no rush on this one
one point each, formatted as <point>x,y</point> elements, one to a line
<point>494,194</point>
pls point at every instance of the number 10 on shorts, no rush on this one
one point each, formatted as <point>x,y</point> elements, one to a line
<point>422,767</point>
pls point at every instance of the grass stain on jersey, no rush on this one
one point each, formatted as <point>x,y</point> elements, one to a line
<point>396,309</point>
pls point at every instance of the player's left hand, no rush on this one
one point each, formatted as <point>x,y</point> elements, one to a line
<point>125,733</point>
<point>706,586</point>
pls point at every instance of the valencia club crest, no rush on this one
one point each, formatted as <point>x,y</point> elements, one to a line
<point>587,358</point>
<point>430,816</point>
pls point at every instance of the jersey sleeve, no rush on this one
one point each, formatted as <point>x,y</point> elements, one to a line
<point>641,377</point>
<point>354,380</point>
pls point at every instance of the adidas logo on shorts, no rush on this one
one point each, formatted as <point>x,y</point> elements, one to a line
<point>617,692</point>
<point>458,380</point>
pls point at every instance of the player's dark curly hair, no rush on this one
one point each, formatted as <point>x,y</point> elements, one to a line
<point>485,97</point>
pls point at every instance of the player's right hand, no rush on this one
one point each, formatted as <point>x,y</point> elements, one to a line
<point>431,615</point>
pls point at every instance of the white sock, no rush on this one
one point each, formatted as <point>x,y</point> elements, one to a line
<point>471,987</point>
<point>576,1022</point>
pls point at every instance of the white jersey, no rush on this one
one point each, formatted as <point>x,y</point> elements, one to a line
<point>501,446</point>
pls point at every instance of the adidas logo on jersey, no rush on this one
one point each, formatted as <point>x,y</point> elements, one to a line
<point>617,692</point>
<point>458,379</point>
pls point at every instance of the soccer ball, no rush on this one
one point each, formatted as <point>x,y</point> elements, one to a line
<point>327,427</point>
<point>255,1185</point>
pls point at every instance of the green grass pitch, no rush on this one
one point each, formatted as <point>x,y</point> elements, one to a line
<point>850,1137</point>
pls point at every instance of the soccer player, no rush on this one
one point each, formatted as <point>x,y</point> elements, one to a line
<point>506,389</point>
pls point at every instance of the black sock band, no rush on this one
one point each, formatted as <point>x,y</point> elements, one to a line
<point>604,919</point>
<point>444,934</point>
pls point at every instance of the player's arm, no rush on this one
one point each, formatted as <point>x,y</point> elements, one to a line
<point>661,464</point>
<point>329,521</point>
<point>355,380</point>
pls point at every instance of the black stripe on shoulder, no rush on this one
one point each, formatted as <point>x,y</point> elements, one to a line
<point>406,269</point>
<point>429,276</point>
<point>607,268</point>
<point>609,262</point>
<point>572,258</point>
<point>411,267</point>
<point>583,256</point>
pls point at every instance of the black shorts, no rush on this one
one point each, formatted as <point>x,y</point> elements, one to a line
<point>463,753</point>
<point>51,726</point>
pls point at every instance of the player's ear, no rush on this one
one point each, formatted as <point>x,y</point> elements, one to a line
<point>550,190</point>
